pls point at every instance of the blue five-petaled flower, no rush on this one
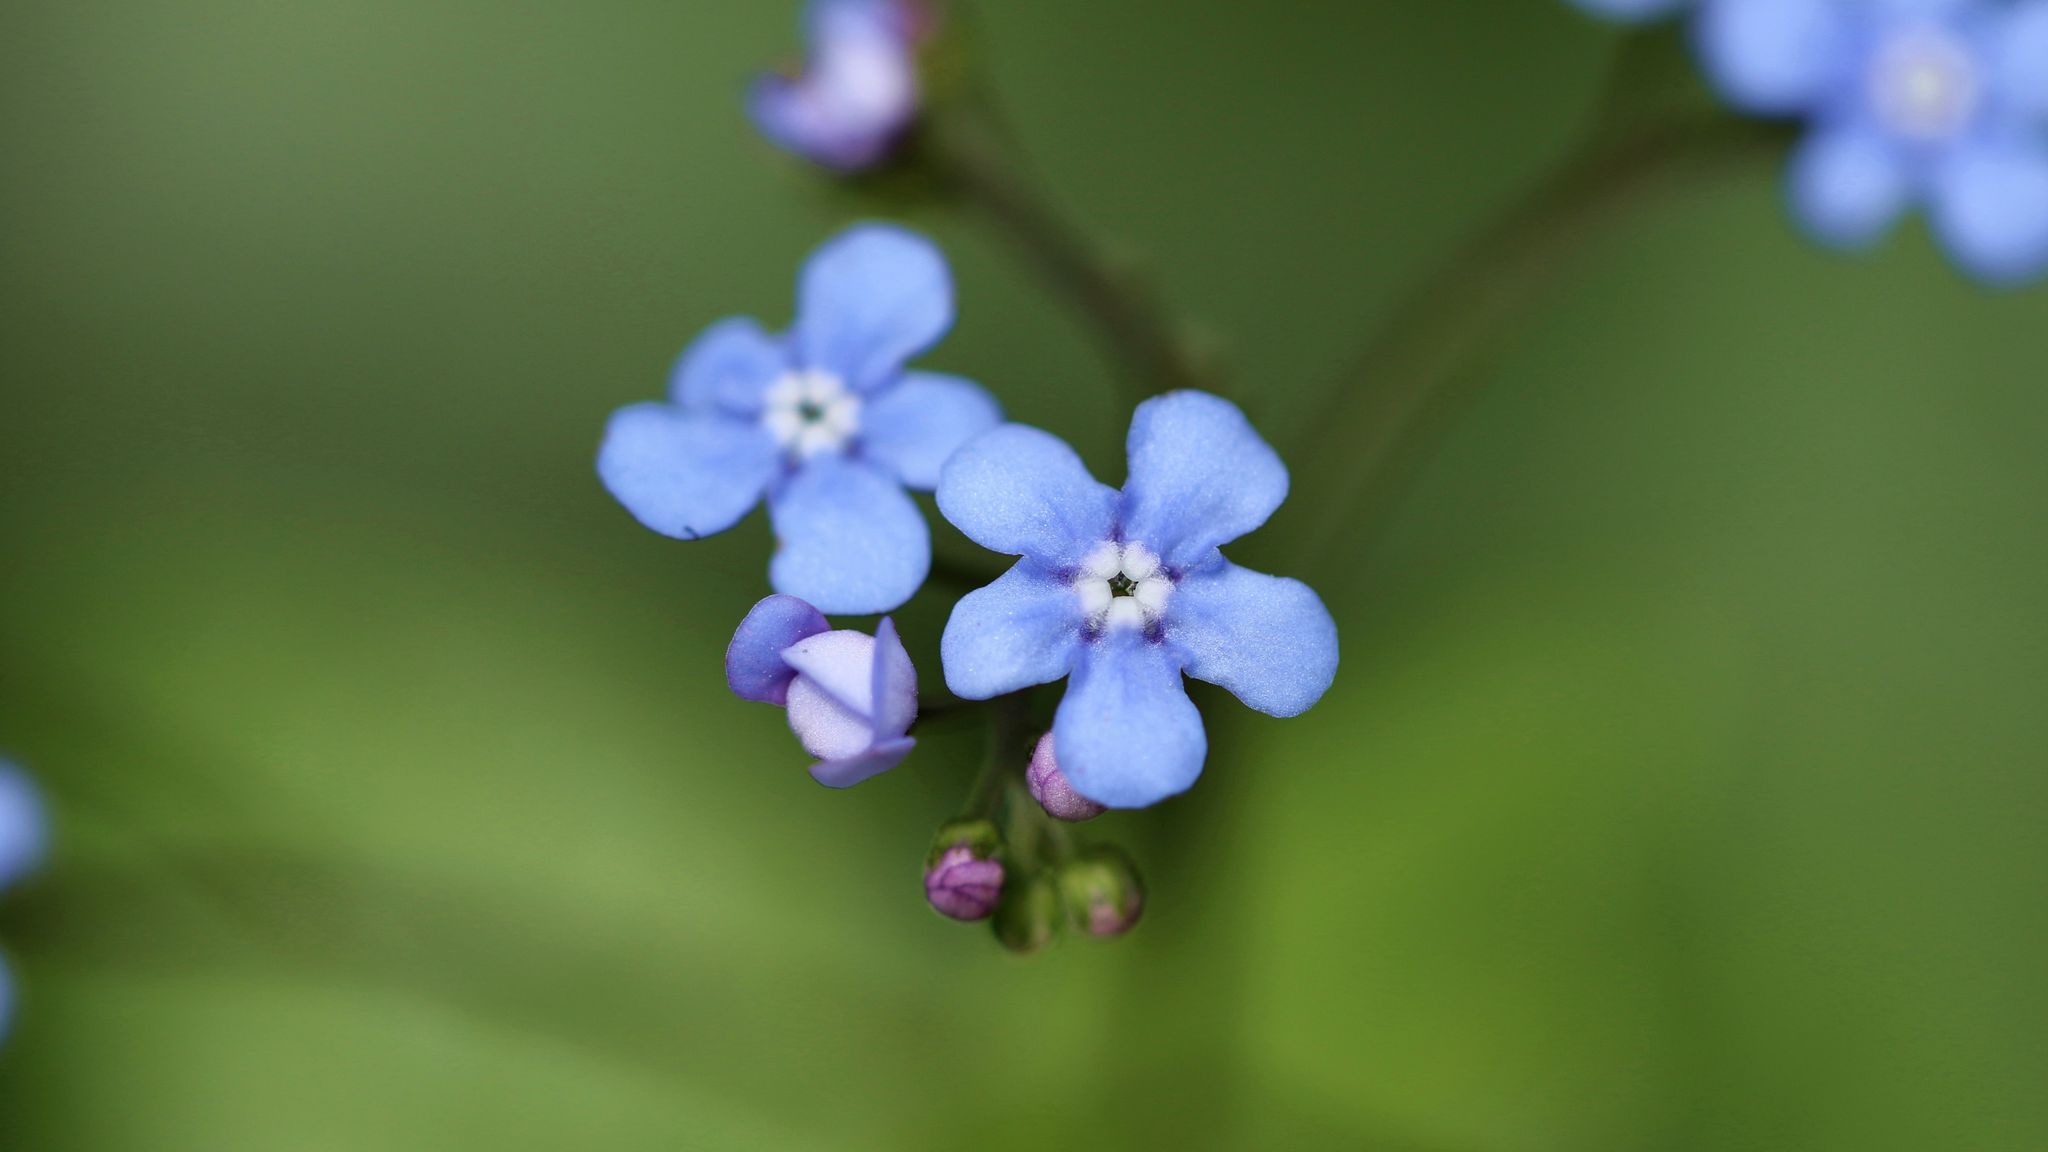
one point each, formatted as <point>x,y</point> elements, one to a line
<point>851,697</point>
<point>1942,102</point>
<point>858,94</point>
<point>1126,591</point>
<point>823,421</point>
<point>1935,102</point>
<point>24,839</point>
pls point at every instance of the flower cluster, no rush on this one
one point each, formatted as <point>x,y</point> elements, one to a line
<point>24,840</point>
<point>1123,592</point>
<point>1941,103</point>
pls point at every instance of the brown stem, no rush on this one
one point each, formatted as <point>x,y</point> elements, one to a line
<point>962,148</point>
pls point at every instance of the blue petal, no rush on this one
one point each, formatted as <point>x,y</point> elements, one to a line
<point>1991,211</point>
<point>895,683</point>
<point>1018,490</point>
<point>728,368</point>
<point>916,426</point>
<point>754,667</point>
<point>852,541</point>
<point>1849,186</point>
<point>2023,57</point>
<point>1631,10</point>
<point>24,826</point>
<point>1126,734</point>
<point>685,475</point>
<point>879,759</point>
<point>1019,631</point>
<point>870,299</point>
<point>1200,476</point>
<point>1775,56</point>
<point>1267,639</point>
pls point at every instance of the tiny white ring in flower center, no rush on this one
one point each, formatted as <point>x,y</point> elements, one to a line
<point>808,412</point>
<point>1122,586</point>
<point>1925,85</point>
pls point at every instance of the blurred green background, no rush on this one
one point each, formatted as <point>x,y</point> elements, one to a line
<point>1682,787</point>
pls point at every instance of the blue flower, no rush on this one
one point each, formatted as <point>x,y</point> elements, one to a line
<point>823,421</point>
<point>1942,102</point>
<point>1126,591</point>
<point>24,840</point>
<point>858,94</point>
<point>1631,11</point>
<point>851,697</point>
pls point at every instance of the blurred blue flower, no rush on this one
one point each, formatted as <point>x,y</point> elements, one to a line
<point>1631,11</point>
<point>1937,101</point>
<point>858,93</point>
<point>1127,591</point>
<point>850,697</point>
<point>24,840</point>
<point>823,421</point>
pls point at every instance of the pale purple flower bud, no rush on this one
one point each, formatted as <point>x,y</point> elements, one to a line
<point>1050,787</point>
<point>850,697</point>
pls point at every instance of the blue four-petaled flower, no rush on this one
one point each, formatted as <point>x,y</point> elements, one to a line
<point>824,422</point>
<point>24,840</point>
<point>858,93</point>
<point>1126,591</point>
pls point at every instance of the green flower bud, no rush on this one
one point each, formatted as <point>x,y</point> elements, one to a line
<point>1030,915</point>
<point>1102,892</point>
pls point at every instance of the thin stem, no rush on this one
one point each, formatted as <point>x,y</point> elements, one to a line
<point>1459,319</point>
<point>963,148</point>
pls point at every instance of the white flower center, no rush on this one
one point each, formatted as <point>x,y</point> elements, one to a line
<point>1925,85</point>
<point>1122,586</point>
<point>809,412</point>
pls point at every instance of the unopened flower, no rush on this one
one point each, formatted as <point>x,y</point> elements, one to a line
<point>1029,917</point>
<point>963,876</point>
<point>824,422</point>
<point>1050,787</point>
<point>1103,894</point>
<point>24,840</point>
<point>1126,591</point>
<point>851,697</point>
<point>857,96</point>
<point>1935,102</point>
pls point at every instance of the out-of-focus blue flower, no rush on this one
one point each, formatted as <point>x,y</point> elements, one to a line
<point>851,697</point>
<point>24,841</point>
<point>1631,11</point>
<point>858,93</point>
<point>1941,102</point>
<point>823,421</point>
<point>1126,591</point>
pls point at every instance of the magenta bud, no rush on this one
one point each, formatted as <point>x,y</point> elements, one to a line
<point>962,877</point>
<point>963,887</point>
<point>1102,892</point>
<point>1053,791</point>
